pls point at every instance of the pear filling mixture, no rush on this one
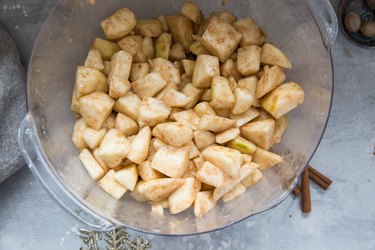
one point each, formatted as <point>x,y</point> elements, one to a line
<point>182,110</point>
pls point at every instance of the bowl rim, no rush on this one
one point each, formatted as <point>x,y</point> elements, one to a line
<point>90,209</point>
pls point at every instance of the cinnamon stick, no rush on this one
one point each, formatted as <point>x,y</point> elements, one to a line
<point>320,175</point>
<point>305,188</point>
<point>318,181</point>
<point>296,191</point>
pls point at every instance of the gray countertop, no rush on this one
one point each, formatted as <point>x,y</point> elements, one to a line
<point>342,218</point>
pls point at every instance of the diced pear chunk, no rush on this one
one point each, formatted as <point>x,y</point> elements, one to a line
<point>129,105</point>
<point>192,92</point>
<point>149,27</point>
<point>147,172</point>
<point>185,79</point>
<point>109,184</point>
<point>248,59</point>
<point>204,108</point>
<point>177,52</point>
<point>244,171</point>
<point>126,125</point>
<point>173,98</point>
<point>280,126</point>
<point>157,143</point>
<point>203,203</point>
<point>92,166</point>
<point>192,11</point>
<point>225,15</point>
<point>159,189</point>
<point>137,195</point>
<point>119,24</point>
<point>127,176</point>
<point>138,71</point>
<point>260,132</point>
<point>131,44</point>
<point>157,210</point>
<point>197,48</point>
<point>229,68</point>
<point>203,139</point>
<point>174,134</point>
<point>232,83</point>
<point>188,66</point>
<point>210,174</point>
<point>187,117</point>
<point>110,122</point>
<point>184,196</point>
<point>206,96</point>
<point>242,119</point>
<point>271,55</point>
<point>194,152</point>
<point>252,34</point>
<point>149,85</point>
<point>271,78</point>
<point>206,67</point>
<point>235,192</point>
<point>139,146</point>
<point>106,48</point>
<point>220,38</point>
<point>93,137</point>
<point>146,52</point>
<point>181,28</point>
<point>79,127</point>
<point>250,83</point>
<point>191,171</point>
<point>171,161</point>
<point>95,108</point>
<point>89,80</point>
<point>222,95</point>
<point>166,69</point>
<point>242,145</point>
<point>107,65</point>
<point>96,155</point>
<point>170,85</point>
<point>119,72</point>
<point>227,135</point>
<point>113,148</point>
<point>227,159</point>
<point>198,161</point>
<point>263,115</point>
<point>283,99</point>
<point>244,100</point>
<point>266,159</point>
<point>247,158</point>
<point>253,178</point>
<point>94,60</point>
<point>163,45</point>
<point>215,123</point>
<point>163,21</point>
<point>153,111</point>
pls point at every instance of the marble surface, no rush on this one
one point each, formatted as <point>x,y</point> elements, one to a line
<point>342,218</point>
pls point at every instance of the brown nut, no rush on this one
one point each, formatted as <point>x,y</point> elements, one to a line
<point>352,21</point>
<point>368,29</point>
<point>371,4</point>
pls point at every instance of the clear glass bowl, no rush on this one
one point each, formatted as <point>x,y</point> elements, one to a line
<point>305,30</point>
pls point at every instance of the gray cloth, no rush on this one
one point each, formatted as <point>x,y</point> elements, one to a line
<point>12,105</point>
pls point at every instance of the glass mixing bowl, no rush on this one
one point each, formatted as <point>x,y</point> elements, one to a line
<point>305,30</point>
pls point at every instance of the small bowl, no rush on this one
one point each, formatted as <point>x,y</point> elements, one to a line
<point>366,14</point>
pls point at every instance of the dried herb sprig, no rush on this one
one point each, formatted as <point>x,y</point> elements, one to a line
<point>116,239</point>
<point>90,238</point>
<point>138,244</point>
